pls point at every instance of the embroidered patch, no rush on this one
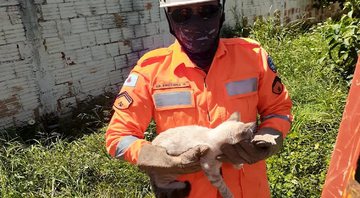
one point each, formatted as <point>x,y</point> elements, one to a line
<point>271,64</point>
<point>241,86</point>
<point>170,85</point>
<point>131,80</point>
<point>277,86</point>
<point>123,101</point>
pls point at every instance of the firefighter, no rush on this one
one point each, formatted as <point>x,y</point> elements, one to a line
<point>201,80</point>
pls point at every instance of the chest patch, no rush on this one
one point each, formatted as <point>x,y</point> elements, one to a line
<point>241,87</point>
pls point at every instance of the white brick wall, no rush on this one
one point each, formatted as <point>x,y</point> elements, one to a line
<point>76,48</point>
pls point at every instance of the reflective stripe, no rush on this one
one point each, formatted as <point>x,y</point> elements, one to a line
<point>284,117</point>
<point>241,87</point>
<point>123,145</point>
<point>175,98</point>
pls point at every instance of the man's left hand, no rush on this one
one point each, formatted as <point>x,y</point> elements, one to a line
<point>266,142</point>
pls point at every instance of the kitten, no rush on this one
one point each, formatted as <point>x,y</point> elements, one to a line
<point>180,139</point>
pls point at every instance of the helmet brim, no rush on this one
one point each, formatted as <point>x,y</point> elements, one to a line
<point>183,3</point>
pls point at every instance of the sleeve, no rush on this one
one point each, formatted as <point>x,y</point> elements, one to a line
<point>274,104</point>
<point>133,111</point>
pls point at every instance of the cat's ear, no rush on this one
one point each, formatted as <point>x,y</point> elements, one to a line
<point>251,126</point>
<point>235,117</point>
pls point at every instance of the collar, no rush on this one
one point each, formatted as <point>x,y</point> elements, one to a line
<point>179,57</point>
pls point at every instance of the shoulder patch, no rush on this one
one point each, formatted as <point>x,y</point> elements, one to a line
<point>153,57</point>
<point>131,80</point>
<point>123,101</point>
<point>277,86</point>
<point>271,64</point>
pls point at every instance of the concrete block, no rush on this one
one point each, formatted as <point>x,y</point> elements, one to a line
<point>113,49</point>
<point>140,30</point>
<point>155,14</point>
<point>54,1</point>
<point>50,12</point>
<point>97,7</point>
<point>132,18</point>
<point>120,62</point>
<point>2,38</point>
<point>112,6</point>
<point>55,61</point>
<point>8,2</point>
<point>152,29</point>
<point>115,77</point>
<point>108,21</point>
<point>98,52</point>
<point>144,16</point>
<point>62,75</point>
<point>67,10</point>
<point>48,29</point>
<point>132,58</point>
<point>87,39</point>
<point>102,36</point>
<point>115,35</point>
<point>136,44</point>
<point>9,52</point>
<point>138,5</point>
<point>82,8</point>
<point>148,42</point>
<point>78,72</point>
<point>126,6</point>
<point>128,32</point>
<point>94,23</point>
<point>14,14</point>
<point>64,27</point>
<point>83,55</point>
<point>53,45</point>
<point>125,46</point>
<point>78,25</point>
<point>15,34</point>
<point>72,42</point>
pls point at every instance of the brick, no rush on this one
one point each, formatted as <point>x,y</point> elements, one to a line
<point>102,36</point>
<point>125,47</point>
<point>112,6</point>
<point>144,16</point>
<point>98,52</point>
<point>82,8</point>
<point>115,35</point>
<point>67,10</point>
<point>94,23</point>
<point>72,42</point>
<point>78,25</point>
<point>108,21</point>
<point>50,12</point>
<point>132,58</point>
<point>125,6</point>
<point>9,53</point>
<point>136,44</point>
<point>138,5</point>
<point>120,62</point>
<point>54,45</point>
<point>128,32</point>
<point>132,18</point>
<point>152,29</point>
<point>48,29</point>
<point>112,49</point>
<point>97,7</point>
<point>64,28</point>
<point>87,39</point>
<point>83,55</point>
<point>140,30</point>
<point>155,15</point>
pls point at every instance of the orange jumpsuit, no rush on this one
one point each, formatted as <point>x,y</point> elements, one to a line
<point>166,86</point>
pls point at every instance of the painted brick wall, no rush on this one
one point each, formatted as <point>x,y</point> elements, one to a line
<point>56,53</point>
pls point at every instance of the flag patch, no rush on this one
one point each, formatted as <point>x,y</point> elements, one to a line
<point>131,80</point>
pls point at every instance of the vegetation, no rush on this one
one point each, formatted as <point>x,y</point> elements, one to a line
<point>52,165</point>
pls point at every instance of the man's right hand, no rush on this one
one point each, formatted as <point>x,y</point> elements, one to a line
<point>155,159</point>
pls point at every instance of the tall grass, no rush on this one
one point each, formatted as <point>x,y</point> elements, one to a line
<point>82,168</point>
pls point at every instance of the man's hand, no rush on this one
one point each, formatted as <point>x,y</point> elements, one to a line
<point>155,159</point>
<point>266,142</point>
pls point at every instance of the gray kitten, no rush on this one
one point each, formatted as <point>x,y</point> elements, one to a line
<point>180,139</point>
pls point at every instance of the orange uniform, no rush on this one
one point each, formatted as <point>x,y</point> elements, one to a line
<point>166,86</point>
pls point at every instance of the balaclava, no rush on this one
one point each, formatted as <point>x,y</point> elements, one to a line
<point>199,38</point>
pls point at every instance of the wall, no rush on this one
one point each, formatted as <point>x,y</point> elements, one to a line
<point>56,53</point>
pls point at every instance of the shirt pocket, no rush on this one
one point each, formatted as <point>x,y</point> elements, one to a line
<point>174,106</point>
<point>242,96</point>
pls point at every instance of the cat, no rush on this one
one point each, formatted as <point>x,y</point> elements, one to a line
<point>179,139</point>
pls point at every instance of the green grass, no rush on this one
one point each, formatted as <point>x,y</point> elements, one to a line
<point>82,168</point>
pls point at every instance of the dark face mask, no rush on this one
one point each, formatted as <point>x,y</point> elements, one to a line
<point>198,34</point>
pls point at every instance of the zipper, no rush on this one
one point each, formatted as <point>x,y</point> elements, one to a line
<point>207,107</point>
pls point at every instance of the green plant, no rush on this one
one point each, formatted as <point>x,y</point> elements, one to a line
<point>343,37</point>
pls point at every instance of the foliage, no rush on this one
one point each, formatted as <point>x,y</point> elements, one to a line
<point>343,37</point>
